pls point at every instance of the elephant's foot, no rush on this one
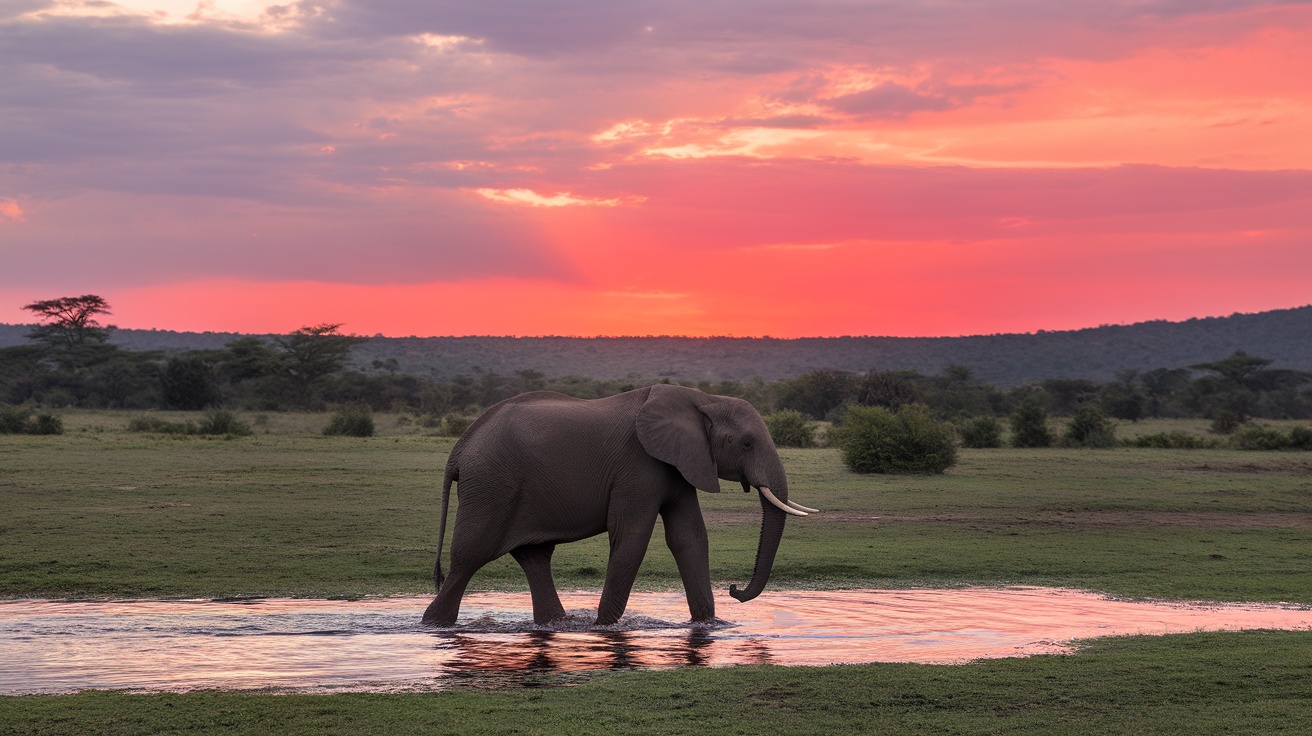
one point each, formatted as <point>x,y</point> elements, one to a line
<point>439,615</point>
<point>545,619</point>
<point>547,606</point>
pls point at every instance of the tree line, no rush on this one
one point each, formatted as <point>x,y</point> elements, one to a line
<point>69,362</point>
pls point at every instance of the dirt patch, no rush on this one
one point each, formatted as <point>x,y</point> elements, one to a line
<point>1283,467</point>
<point>1069,519</point>
<point>1201,520</point>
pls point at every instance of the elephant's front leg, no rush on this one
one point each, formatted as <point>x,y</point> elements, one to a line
<point>685,534</point>
<point>630,531</point>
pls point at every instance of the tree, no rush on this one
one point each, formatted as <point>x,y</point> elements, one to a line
<point>190,383</point>
<point>981,432</point>
<point>1029,425</point>
<point>891,389</point>
<point>312,353</point>
<point>1240,368</point>
<point>70,321</point>
<point>1239,380</point>
<point>1090,428</point>
<point>817,393</point>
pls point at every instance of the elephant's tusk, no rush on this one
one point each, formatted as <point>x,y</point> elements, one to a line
<point>771,498</point>
<point>800,507</point>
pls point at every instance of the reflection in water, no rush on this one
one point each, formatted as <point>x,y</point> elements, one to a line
<point>378,644</point>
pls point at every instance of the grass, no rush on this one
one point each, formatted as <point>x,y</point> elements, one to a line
<point>101,512</point>
<point>289,512</point>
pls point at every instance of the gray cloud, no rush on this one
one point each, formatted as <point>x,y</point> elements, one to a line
<point>134,240</point>
<point>890,100</point>
<point>117,133</point>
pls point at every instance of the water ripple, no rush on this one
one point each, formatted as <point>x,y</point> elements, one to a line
<point>378,645</point>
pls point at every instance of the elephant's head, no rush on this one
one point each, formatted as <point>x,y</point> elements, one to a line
<point>710,437</point>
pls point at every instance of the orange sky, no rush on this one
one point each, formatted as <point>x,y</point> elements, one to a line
<point>585,169</point>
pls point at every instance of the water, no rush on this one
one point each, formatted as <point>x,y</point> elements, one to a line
<point>377,645</point>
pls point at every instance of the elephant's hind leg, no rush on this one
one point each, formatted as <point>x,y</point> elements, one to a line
<point>446,606</point>
<point>536,561</point>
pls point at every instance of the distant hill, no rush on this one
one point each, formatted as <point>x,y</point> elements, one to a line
<point>1098,353</point>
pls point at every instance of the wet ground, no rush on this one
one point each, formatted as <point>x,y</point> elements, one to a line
<point>377,644</point>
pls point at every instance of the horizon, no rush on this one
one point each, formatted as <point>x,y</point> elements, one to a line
<point>701,337</point>
<point>811,169</point>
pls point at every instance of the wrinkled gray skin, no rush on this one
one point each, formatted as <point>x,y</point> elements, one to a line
<point>543,468</point>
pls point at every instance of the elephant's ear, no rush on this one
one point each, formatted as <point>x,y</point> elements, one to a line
<point>672,430</point>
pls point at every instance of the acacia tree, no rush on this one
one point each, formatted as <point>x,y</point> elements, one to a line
<point>312,353</point>
<point>70,321</point>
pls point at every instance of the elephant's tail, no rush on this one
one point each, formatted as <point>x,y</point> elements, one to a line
<point>451,475</point>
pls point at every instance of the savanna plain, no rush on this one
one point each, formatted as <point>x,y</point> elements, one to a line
<point>100,512</point>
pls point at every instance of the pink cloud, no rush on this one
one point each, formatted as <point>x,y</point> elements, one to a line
<point>10,210</point>
<point>881,167</point>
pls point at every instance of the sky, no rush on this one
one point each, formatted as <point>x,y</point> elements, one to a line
<point>683,167</point>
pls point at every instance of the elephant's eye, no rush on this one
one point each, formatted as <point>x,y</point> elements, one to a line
<point>747,443</point>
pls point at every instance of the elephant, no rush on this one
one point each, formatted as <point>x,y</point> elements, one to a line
<point>543,468</point>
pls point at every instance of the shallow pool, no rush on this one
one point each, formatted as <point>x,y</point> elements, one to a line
<point>378,645</point>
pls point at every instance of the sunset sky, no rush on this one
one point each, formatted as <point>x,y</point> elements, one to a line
<point>680,167</point>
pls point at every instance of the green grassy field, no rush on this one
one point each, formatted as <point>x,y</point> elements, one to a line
<point>100,512</point>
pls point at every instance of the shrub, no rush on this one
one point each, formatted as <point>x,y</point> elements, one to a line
<point>1225,422</point>
<point>454,425</point>
<point>356,422</point>
<point>1300,438</point>
<point>1090,428</point>
<point>16,421</point>
<point>789,428</point>
<point>1259,437</point>
<point>875,440</point>
<point>981,432</point>
<point>1029,425</point>
<point>223,422</point>
<point>46,424</point>
<point>157,425</point>
<point>1174,440</point>
<point>12,420</point>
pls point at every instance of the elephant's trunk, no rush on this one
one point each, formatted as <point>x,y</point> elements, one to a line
<point>772,530</point>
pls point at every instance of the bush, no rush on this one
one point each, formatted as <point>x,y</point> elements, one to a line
<point>223,422</point>
<point>1225,422</point>
<point>16,421</point>
<point>1090,428</point>
<point>789,428</point>
<point>1259,437</point>
<point>215,422</point>
<point>1174,440</point>
<point>357,422</point>
<point>1029,425</point>
<point>981,432</point>
<point>157,425</point>
<point>874,440</point>
<point>1300,438</point>
<point>46,424</point>
<point>454,425</point>
<point>12,420</point>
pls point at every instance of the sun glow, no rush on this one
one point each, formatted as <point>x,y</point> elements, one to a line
<point>900,168</point>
